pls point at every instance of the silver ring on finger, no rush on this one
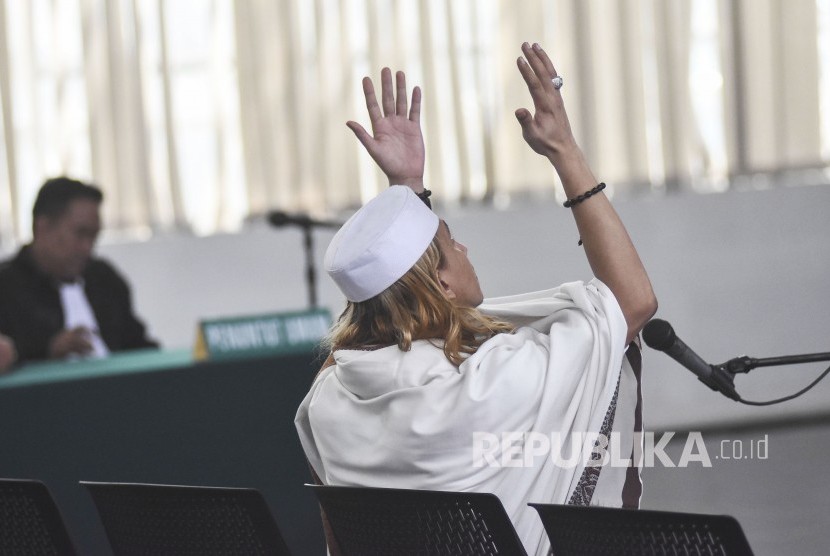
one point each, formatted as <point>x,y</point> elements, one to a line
<point>557,82</point>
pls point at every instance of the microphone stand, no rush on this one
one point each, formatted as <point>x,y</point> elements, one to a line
<point>279,219</point>
<point>722,378</point>
<point>744,363</point>
<point>310,271</point>
<point>308,245</point>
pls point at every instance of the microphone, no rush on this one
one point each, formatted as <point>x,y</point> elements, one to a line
<point>279,218</point>
<point>659,335</point>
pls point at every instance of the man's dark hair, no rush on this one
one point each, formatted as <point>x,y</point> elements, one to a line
<point>55,195</point>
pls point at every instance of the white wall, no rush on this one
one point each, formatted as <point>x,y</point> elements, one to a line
<point>735,273</point>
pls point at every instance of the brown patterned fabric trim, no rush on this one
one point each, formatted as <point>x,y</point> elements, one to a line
<point>633,487</point>
<point>584,491</point>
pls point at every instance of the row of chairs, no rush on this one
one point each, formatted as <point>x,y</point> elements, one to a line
<point>160,520</point>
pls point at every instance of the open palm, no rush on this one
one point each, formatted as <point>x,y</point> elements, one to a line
<point>396,143</point>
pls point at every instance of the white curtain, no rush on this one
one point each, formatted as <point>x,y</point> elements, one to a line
<point>197,114</point>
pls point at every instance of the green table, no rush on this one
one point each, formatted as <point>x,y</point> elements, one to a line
<point>140,361</point>
<point>159,417</point>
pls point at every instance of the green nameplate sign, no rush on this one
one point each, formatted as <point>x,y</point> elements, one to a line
<point>278,333</point>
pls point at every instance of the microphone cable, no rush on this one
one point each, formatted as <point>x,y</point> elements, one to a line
<point>786,398</point>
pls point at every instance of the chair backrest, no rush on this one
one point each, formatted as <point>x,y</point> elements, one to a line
<point>592,531</point>
<point>379,521</point>
<point>169,519</point>
<point>30,522</point>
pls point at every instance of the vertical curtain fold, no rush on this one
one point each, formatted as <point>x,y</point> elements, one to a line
<point>9,226</point>
<point>120,161</point>
<point>672,21</point>
<point>776,95</point>
<point>171,153</point>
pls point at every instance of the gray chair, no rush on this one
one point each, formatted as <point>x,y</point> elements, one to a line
<point>30,522</point>
<point>591,531</point>
<point>167,520</point>
<point>378,521</point>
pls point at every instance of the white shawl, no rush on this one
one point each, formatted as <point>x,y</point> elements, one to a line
<point>394,419</point>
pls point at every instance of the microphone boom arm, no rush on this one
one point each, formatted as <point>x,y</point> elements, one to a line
<point>744,363</point>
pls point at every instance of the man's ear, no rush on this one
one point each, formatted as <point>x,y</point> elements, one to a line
<point>447,289</point>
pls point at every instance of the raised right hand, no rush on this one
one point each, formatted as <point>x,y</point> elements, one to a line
<point>396,143</point>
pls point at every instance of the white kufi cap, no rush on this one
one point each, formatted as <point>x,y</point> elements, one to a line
<point>380,243</point>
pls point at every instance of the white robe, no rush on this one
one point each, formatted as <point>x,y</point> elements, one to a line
<point>395,419</point>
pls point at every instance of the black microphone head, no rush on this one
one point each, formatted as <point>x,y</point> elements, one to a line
<point>277,218</point>
<point>658,334</point>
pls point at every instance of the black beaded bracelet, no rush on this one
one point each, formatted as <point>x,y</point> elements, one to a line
<point>578,199</point>
<point>424,196</point>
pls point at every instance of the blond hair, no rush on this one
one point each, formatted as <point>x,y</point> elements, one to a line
<point>415,307</point>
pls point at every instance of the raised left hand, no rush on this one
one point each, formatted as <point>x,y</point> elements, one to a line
<point>547,130</point>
